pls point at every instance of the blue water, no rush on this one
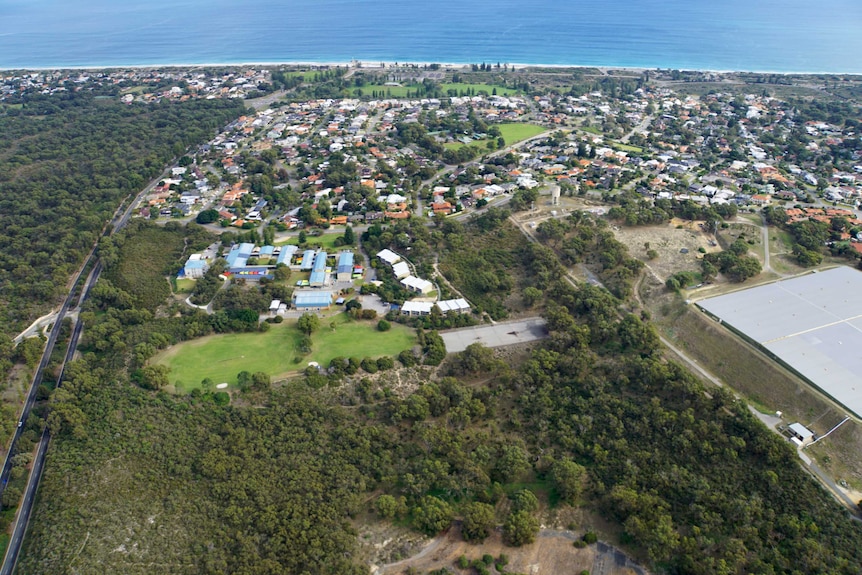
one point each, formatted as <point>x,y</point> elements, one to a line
<point>761,35</point>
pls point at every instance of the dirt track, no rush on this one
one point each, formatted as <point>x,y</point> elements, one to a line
<point>553,553</point>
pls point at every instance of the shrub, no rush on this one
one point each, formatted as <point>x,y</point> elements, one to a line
<point>389,507</point>
<point>383,325</point>
<point>520,528</point>
<point>369,365</point>
<point>385,362</point>
<point>432,515</point>
<point>524,500</point>
<point>477,524</point>
<point>407,358</point>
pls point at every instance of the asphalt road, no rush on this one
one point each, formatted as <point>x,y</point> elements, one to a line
<point>25,508</point>
<point>68,304</point>
<point>37,379</point>
<point>497,335</point>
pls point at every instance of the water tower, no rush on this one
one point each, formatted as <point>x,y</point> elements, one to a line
<point>555,195</point>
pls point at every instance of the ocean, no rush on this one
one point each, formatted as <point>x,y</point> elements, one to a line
<point>752,35</point>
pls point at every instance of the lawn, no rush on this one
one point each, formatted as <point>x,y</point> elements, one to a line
<point>483,144</point>
<point>388,91</point>
<point>514,133</point>
<point>222,357</point>
<point>326,241</point>
<point>627,148</point>
<point>185,285</point>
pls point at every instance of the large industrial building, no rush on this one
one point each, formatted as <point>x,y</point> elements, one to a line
<point>812,324</point>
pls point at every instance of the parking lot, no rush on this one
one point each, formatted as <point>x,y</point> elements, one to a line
<point>497,335</point>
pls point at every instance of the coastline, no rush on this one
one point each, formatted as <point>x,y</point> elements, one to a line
<point>375,65</point>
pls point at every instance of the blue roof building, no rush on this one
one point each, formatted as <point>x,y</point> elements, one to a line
<point>307,260</point>
<point>312,300</point>
<point>267,250</point>
<point>232,257</point>
<point>245,249</point>
<point>195,268</point>
<point>319,262</point>
<point>286,255</point>
<point>345,266</point>
<point>318,272</point>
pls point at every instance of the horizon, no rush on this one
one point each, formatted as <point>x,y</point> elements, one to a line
<point>794,37</point>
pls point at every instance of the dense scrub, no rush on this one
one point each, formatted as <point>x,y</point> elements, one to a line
<point>484,260</point>
<point>66,164</point>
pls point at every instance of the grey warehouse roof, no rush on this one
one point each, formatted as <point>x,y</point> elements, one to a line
<point>813,323</point>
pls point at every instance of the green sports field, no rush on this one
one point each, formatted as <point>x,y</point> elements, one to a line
<point>222,357</point>
<point>514,133</point>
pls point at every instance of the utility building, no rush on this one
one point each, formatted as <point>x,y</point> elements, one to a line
<point>389,257</point>
<point>448,306</point>
<point>417,285</point>
<point>416,308</point>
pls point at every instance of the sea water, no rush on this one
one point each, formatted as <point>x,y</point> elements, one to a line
<point>756,35</point>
